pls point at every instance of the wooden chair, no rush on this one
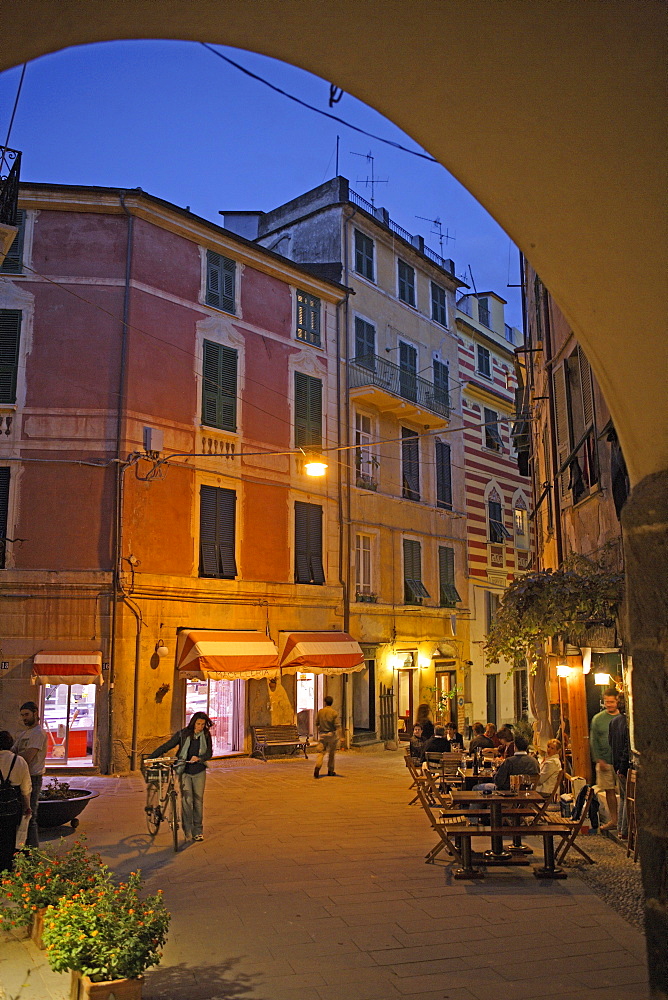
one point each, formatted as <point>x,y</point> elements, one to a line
<point>440,829</point>
<point>568,840</point>
<point>550,800</point>
<point>416,776</point>
<point>631,817</point>
<point>447,765</point>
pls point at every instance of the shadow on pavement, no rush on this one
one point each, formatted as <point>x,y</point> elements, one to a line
<point>206,982</point>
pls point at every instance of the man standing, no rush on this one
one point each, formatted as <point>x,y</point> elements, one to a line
<point>31,745</point>
<point>599,742</point>
<point>620,747</point>
<point>327,721</point>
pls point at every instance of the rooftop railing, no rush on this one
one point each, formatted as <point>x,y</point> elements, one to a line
<point>10,171</point>
<point>373,370</point>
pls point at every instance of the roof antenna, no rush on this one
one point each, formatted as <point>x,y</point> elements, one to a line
<point>373,180</point>
<point>475,290</point>
<point>437,228</point>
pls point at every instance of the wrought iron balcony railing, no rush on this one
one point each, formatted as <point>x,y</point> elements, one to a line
<point>10,170</point>
<point>372,370</point>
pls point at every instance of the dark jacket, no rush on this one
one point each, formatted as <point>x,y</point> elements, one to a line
<point>481,742</point>
<point>620,744</point>
<point>178,740</point>
<point>437,744</point>
<point>457,741</point>
<point>427,729</point>
<point>522,764</point>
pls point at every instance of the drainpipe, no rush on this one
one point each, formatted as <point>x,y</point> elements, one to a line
<point>345,530</point>
<point>556,488</point>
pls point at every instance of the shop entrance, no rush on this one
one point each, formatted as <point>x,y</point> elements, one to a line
<point>221,700</point>
<point>364,709</point>
<point>405,705</point>
<point>310,693</point>
<point>446,693</point>
<point>68,716</point>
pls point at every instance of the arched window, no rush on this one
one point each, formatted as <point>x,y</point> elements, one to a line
<point>497,529</point>
<point>521,523</point>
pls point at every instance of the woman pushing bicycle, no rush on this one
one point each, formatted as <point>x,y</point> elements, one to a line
<point>195,748</point>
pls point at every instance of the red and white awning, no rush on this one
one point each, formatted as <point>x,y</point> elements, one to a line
<point>319,652</point>
<point>206,654</point>
<point>67,668</point>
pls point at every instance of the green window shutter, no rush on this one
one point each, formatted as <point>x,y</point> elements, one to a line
<point>219,388</point>
<point>4,512</point>
<point>414,589</point>
<point>441,380</point>
<point>365,343</point>
<point>220,281</point>
<point>308,544</point>
<point>308,411</point>
<point>446,574</point>
<point>217,532</point>
<point>308,318</point>
<point>562,426</point>
<point>364,255</point>
<point>10,337</point>
<point>410,464</point>
<point>497,529</point>
<point>443,476</point>
<point>406,282</point>
<point>13,262</point>
<point>439,312</point>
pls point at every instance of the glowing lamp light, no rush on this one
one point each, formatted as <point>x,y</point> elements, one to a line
<point>315,465</point>
<point>601,679</point>
<point>563,670</point>
<point>161,649</point>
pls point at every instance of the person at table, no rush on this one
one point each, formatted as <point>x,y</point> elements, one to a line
<point>438,743</point>
<point>521,762</point>
<point>456,739</point>
<point>423,720</point>
<point>490,733</point>
<point>549,769</point>
<point>506,743</point>
<point>480,741</point>
<point>416,742</point>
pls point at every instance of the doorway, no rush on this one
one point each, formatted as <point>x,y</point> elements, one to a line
<point>492,698</point>
<point>221,701</point>
<point>68,714</point>
<point>364,702</point>
<point>310,694</point>
<point>405,704</point>
<point>446,694</point>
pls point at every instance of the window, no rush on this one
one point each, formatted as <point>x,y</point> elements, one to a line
<point>407,371</point>
<point>4,512</point>
<point>308,411</point>
<point>308,318</point>
<point>575,426</point>
<point>365,463</point>
<point>441,378</point>
<point>439,310</point>
<point>363,564</point>
<point>10,336</point>
<point>521,528</point>
<point>491,607</point>
<point>492,698</point>
<point>308,544</point>
<point>220,281</point>
<point>410,464</point>
<point>365,343</point>
<point>483,311</point>
<point>219,388</point>
<point>497,529</point>
<point>414,589</point>
<point>484,361</point>
<point>443,476</point>
<point>364,255</point>
<point>13,262</point>
<point>492,437</point>
<point>217,513</point>
<point>406,283</point>
<point>446,577</point>
<point>510,334</point>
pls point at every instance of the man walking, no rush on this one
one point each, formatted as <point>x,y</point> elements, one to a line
<point>327,721</point>
<point>599,744</point>
<point>31,745</point>
<point>620,747</point>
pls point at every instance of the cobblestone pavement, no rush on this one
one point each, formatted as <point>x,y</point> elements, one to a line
<point>317,890</point>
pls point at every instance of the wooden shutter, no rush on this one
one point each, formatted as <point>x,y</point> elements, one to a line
<point>220,281</point>
<point>10,336</point>
<point>308,411</point>
<point>4,512</point>
<point>441,379</point>
<point>414,589</point>
<point>492,435</point>
<point>217,532</point>
<point>219,389</point>
<point>562,427</point>
<point>587,389</point>
<point>308,543</point>
<point>446,574</point>
<point>228,388</point>
<point>13,262</point>
<point>410,464</point>
<point>207,532</point>
<point>365,342</point>
<point>443,476</point>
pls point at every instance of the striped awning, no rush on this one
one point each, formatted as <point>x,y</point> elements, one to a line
<point>207,654</point>
<point>67,668</point>
<point>319,652</point>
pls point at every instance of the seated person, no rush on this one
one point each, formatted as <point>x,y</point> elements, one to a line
<point>480,741</point>
<point>416,742</point>
<point>521,762</point>
<point>436,744</point>
<point>506,743</point>
<point>456,739</point>
<point>549,769</point>
<point>490,733</point>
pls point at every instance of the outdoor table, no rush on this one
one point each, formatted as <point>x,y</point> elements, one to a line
<point>471,779</point>
<point>495,801</point>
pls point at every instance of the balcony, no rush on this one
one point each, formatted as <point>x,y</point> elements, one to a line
<point>395,390</point>
<point>10,170</point>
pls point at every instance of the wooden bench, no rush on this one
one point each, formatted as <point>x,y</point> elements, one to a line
<point>277,736</point>
<point>547,831</point>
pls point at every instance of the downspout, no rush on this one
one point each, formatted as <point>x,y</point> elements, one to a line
<point>556,489</point>
<point>345,529</point>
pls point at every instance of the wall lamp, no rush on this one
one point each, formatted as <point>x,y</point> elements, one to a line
<point>602,679</point>
<point>563,670</point>
<point>315,464</point>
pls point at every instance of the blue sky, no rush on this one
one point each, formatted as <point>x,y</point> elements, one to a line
<point>173,119</point>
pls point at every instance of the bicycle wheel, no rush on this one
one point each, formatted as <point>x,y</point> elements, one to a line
<point>174,818</point>
<point>152,809</point>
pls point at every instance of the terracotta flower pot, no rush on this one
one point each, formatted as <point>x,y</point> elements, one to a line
<point>113,989</point>
<point>37,928</point>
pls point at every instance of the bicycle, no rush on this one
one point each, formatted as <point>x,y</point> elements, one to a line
<point>161,796</point>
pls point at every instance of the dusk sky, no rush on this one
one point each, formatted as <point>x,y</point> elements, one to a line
<point>173,119</point>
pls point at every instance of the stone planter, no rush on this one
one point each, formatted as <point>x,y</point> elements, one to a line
<point>114,989</point>
<point>58,812</point>
<point>37,928</point>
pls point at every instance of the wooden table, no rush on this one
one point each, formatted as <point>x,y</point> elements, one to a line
<point>498,855</point>
<point>471,779</point>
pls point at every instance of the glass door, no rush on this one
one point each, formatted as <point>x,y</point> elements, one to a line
<point>310,693</point>
<point>405,702</point>
<point>220,701</point>
<point>68,714</point>
<point>446,696</point>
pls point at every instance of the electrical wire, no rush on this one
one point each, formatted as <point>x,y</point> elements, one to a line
<point>318,111</point>
<point>16,104</point>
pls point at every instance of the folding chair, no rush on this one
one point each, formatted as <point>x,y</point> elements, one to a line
<point>550,800</point>
<point>631,817</point>
<point>568,840</point>
<point>444,842</point>
<point>419,779</point>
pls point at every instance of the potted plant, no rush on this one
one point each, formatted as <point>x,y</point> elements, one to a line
<point>106,936</point>
<point>59,803</point>
<point>42,877</point>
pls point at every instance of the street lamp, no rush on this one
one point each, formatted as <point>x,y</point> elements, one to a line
<point>315,465</point>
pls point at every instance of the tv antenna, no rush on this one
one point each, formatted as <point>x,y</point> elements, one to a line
<point>437,229</point>
<point>369,181</point>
